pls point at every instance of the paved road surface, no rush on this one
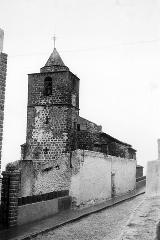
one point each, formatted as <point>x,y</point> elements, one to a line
<point>104,225</point>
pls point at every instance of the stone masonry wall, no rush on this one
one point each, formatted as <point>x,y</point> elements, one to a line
<point>91,137</point>
<point>46,139</point>
<point>51,120</point>
<point>96,141</point>
<point>62,87</point>
<point>89,126</point>
<point>3,71</point>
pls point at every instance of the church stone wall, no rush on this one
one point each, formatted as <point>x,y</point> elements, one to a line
<point>3,71</point>
<point>51,120</point>
<point>61,89</point>
<point>39,177</point>
<point>46,139</point>
<point>89,126</point>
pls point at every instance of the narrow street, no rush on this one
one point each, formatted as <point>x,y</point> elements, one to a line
<point>104,225</point>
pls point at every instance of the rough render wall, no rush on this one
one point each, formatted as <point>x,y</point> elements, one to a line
<point>27,178</point>
<point>54,179</point>
<point>39,177</point>
<point>91,176</point>
<point>125,174</point>
<point>3,71</point>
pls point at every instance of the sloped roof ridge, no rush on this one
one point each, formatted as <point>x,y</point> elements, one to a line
<point>54,59</point>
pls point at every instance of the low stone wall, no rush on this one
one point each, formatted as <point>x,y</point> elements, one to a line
<point>40,210</point>
<point>16,210</point>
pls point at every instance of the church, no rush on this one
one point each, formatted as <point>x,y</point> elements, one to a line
<point>54,126</point>
<point>64,151</point>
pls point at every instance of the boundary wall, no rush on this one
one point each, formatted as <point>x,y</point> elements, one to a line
<point>97,176</point>
<point>21,210</point>
<point>88,175</point>
<point>94,178</point>
<point>43,209</point>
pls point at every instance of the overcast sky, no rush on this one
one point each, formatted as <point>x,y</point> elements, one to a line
<point>113,46</point>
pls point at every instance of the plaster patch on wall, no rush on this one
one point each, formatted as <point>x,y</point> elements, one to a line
<point>39,132</point>
<point>54,180</point>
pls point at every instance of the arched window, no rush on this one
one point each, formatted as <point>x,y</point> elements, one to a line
<point>48,86</point>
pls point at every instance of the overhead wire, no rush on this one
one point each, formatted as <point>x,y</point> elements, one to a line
<point>94,48</point>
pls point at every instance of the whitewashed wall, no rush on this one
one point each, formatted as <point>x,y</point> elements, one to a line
<point>125,174</point>
<point>88,179</point>
<point>91,177</point>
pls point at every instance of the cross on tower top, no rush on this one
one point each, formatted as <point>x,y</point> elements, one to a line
<point>54,40</point>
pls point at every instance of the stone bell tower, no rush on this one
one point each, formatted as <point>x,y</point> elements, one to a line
<point>52,112</point>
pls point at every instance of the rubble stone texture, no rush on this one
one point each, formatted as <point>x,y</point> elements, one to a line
<point>3,71</point>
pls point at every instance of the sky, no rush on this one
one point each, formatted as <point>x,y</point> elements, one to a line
<point>113,46</point>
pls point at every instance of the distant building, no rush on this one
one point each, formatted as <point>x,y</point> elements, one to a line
<point>3,71</point>
<point>139,171</point>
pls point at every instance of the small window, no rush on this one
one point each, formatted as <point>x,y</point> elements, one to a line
<point>78,127</point>
<point>74,100</point>
<point>48,86</point>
